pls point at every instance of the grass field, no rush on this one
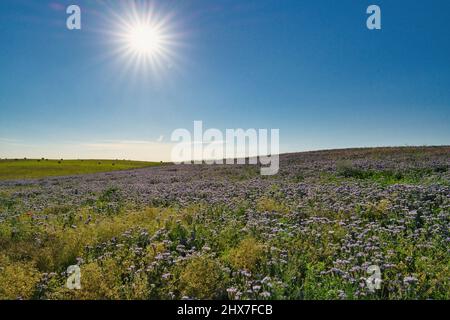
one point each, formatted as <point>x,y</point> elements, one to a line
<point>39,168</point>
<point>313,231</point>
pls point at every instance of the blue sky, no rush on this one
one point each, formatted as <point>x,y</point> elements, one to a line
<point>310,68</point>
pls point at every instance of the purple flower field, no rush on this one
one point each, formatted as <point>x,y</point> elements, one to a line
<point>226,232</point>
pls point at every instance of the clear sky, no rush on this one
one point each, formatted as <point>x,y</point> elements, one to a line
<point>308,67</point>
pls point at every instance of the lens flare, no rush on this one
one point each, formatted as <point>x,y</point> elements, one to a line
<point>144,39</point>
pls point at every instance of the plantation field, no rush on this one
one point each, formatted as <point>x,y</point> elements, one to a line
<point>226,232</point>
<point>40,168</point>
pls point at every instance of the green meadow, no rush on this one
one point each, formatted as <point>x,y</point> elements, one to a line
<point>40,168</point>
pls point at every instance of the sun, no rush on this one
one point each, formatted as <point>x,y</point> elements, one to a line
<point>145,39</point>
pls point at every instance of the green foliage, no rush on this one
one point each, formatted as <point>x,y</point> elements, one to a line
<point>202,278</point>
<point>388,177</point>
<point>31,251</point>
<point>271,205</point>
<point>109,202</point>
<point>17,280</point>
<point>32,169</point>
<point>247,255</point>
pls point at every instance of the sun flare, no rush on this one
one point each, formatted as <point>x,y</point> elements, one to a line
<point>145,39</point>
